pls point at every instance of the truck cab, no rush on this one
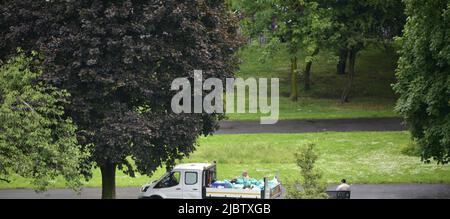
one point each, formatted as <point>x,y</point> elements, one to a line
<point>185,181</point>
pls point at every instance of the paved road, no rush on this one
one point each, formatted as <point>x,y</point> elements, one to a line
<point>400,191</point>
<point>367,191</point>
<point>87,193</point>
<point>312,125</point>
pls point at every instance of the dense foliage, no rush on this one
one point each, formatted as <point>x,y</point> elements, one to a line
<point>117,59</point>
<point>424,77</point>
<point>37,141</point>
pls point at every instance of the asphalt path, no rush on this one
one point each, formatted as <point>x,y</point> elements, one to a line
<point>312,125</point>
<point>359,191</point>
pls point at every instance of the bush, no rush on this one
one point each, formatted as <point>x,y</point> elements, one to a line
<point>310,186</point>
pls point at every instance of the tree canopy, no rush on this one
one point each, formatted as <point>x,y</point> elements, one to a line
<point>424,77</point>
<point>117,59</point>
<point>301,26</point>
<point>358,24</point>
<point>310,26</point>
<point>37,140</point>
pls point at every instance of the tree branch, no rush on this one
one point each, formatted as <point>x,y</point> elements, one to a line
<point>28,105</point>
<point>5,180</point>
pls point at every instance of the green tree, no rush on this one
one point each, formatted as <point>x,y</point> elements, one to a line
<point>358,24</point>
<point>304,28</point>
<point>37,140</point>
<point>118,59</point>
<point>300,25</point>
<point>311,187</point>
<point>423,75</point>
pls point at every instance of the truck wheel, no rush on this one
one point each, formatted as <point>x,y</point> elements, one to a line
<point>155,197</point>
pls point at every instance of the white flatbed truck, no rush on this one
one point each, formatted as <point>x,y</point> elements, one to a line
<point>193,181</point>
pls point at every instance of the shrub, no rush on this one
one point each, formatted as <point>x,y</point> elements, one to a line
<point>310,185</point>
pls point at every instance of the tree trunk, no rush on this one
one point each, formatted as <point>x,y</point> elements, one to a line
<point>108,181</point>
<point>351,73</point>
<point>341,66</point>
<point>308,72</point>
<point>294,75</point>
<point>308,75</point>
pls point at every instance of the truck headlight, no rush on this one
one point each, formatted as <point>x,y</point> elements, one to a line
<point>144,189</point>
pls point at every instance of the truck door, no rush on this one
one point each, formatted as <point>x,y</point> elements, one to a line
<point>170,186</point>
<point>192,185</point>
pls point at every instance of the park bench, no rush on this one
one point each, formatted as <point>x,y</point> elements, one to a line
<point>339,194</point>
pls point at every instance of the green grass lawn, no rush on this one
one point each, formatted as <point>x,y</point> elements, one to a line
<point>372,95</point>
<point>310,108</point>
<point>361,157</point>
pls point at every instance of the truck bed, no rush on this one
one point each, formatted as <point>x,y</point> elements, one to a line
<point>232,193</point>
<point>242,193</point>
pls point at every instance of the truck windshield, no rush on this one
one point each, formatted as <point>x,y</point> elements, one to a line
<point>169,180</point>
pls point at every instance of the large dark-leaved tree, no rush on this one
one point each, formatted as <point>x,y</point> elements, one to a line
<point>117,59</point>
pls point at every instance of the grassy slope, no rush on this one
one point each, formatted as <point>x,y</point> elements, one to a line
<point>372,96</point>
<point>361,157</point>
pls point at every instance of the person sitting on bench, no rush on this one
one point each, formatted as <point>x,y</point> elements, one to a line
<point>343,186</point>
